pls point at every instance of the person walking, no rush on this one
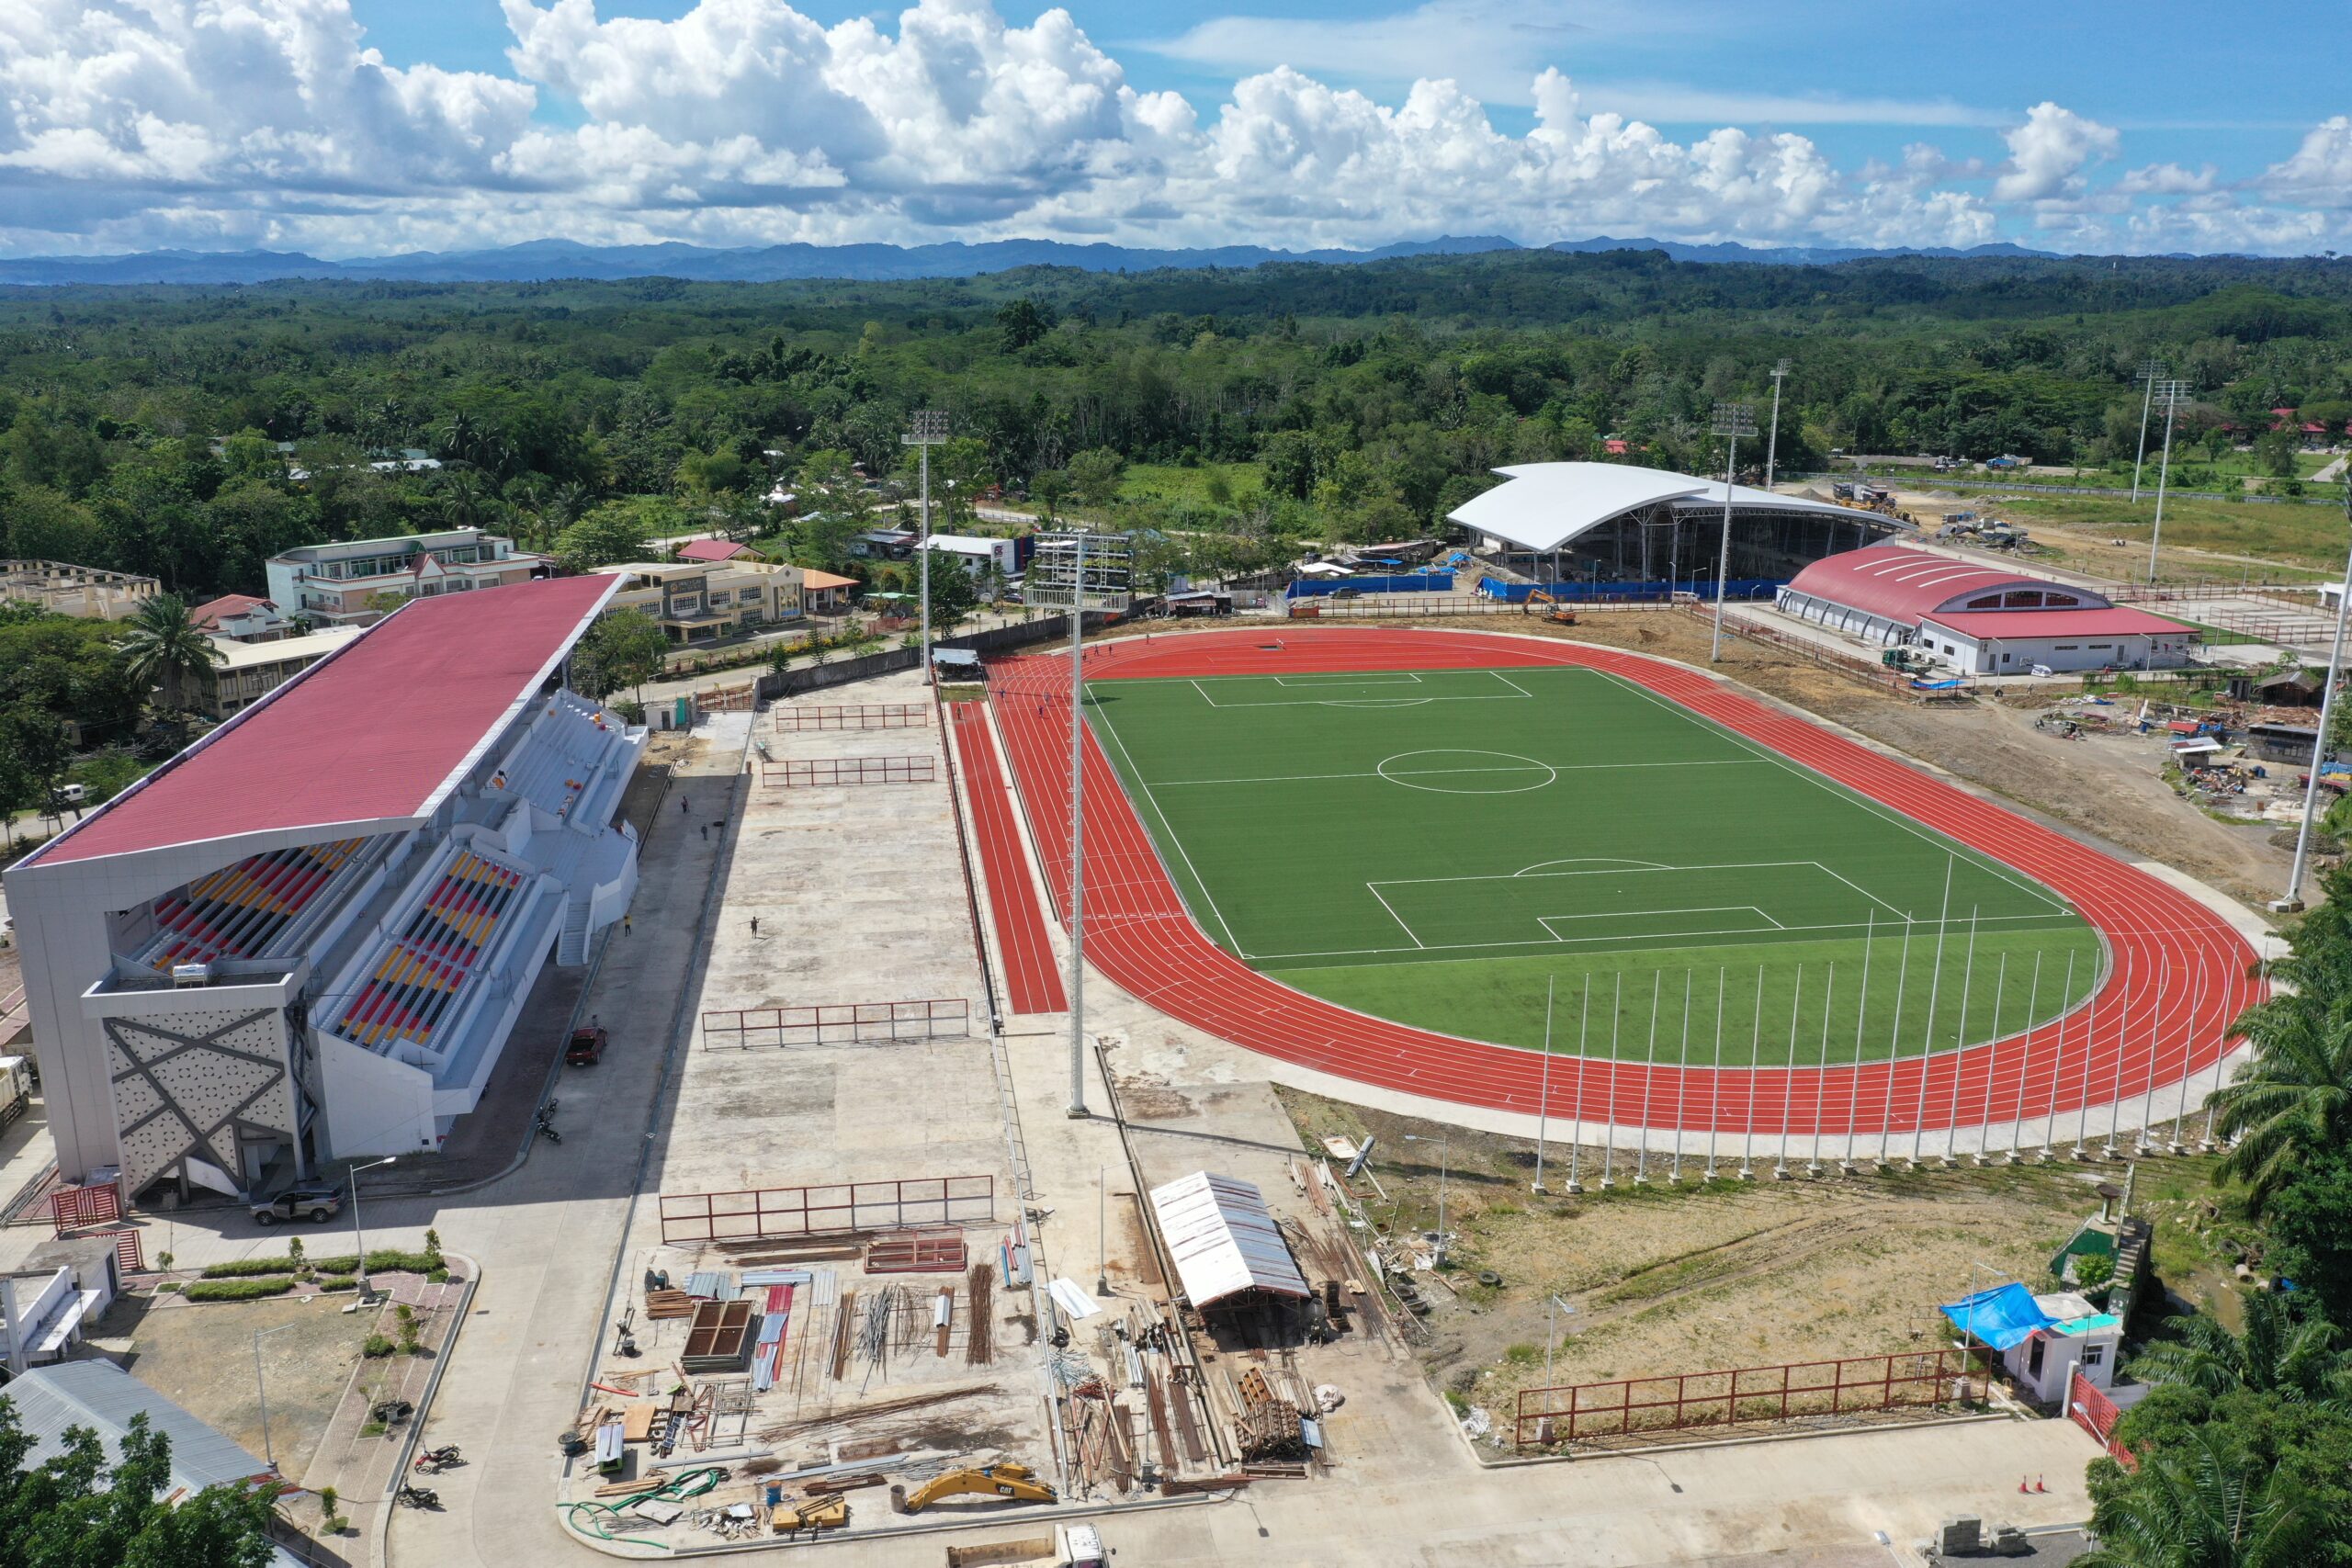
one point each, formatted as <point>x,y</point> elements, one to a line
<point>624,925</point>
<point>755,925</point>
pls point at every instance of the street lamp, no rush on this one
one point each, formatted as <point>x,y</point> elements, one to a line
<point>361,1236</point>
<point>1772,444</point>
<point>1444,1143</point>
<point>2149,370</point>
<point>262,1390</point>
<point>1731,420</point>
<point>1550,1337</point>
<point>2294,898</point>
<point>930,430</point>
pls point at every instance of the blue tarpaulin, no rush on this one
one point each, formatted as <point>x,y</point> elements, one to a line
<point>2001,1318</point>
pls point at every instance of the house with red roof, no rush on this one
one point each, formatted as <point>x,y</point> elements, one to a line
<point>715,550</point>
<point>241,617</point>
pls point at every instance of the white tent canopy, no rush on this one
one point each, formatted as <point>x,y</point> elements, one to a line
<point>1223,1239</point>
<point>1545,505</point>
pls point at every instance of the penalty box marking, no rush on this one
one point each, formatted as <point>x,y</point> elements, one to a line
<point>1337,682</point>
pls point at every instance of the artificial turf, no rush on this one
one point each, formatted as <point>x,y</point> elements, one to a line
<point>1439,847</point>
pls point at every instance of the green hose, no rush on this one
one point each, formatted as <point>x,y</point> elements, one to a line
<point>602,1516</point>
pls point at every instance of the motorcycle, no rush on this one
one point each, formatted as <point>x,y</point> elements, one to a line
<point>418,1497</point>
<point>393,1412</point>
<point>438,1460</point>
<point>544,1123</point>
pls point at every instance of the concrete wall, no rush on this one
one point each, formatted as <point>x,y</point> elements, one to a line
<point>374,1105</point>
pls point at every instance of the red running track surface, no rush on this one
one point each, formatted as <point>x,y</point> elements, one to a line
<point>2178,973</point>
<point>1032,982</point>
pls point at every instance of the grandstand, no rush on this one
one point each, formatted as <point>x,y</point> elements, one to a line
<point>308,937</point>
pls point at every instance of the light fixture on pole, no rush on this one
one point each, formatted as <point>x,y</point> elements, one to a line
<point>359,1233</point>
<point>1079,570</point>
<point>261,1392</point>
<point>930,430</point>
<point>2294,898</point>
<point>1551,1337</point>
<point>2168,392</point>
<point>2149,370</point>
<point>1544,1098</point>
<point>1731,420</point>
<point>1772,443</point>
<point>1444,1150</point>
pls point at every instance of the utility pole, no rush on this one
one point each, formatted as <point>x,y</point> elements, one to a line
<point>930,430</point>
<point>2149,370</point>
<point>1772,443</point>
<point>2170,390</point>
<point>1544,1096</point>
<point>2294,898</point>
<point>1731,420</point>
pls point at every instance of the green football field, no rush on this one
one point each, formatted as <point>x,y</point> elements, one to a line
<point>1438,847</point>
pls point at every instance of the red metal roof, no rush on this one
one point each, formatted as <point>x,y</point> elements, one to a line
<point>712,549</point>
<point>211,611</point>
<point>1904,584</point>
<point>2118,621</point>
<point>375,730</point>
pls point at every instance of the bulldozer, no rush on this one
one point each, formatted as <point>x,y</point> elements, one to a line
<point>1017,1482</point>
<point>1559,614</point>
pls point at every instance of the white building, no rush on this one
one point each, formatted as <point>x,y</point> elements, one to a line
<point>976,553</point>
<point>308,936</point>
<point>359,581</point>
<point>2079,1336</point>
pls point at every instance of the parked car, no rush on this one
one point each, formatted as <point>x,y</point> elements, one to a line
<point>316,1204</point>
<point>586,1047</point>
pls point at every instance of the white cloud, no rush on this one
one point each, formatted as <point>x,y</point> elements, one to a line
<point>2048,151</point>
<point>136,123</point>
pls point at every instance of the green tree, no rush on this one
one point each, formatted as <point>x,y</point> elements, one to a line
<point>162,649</point>
<point>74,1511</point>
<point>1050,488</point>
<point>953,595</point>
<point>606,535</point>
<point>626,648</point>
<point>2281,1351</point>
<point>1094,475</point>
<point>1023,322</point>
<point>2201,1505</point>
<point>41,523</point>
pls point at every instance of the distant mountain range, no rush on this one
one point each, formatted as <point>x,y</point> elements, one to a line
<point>542,260</point>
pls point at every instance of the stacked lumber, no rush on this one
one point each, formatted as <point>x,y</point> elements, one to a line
<point>669,1303</point>
<point>1266,1427</point>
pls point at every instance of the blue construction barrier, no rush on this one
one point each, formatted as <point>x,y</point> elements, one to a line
<point>1417,582</point>
<point>1653,591</point>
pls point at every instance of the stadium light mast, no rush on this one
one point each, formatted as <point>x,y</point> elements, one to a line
<point>1079,571</point>
<point>2171,392</point>
<point>1731,420</point>
<point>2294,898</point>
<point>2149,370</point>
<point>930,430</point>
<point>1772,442</point>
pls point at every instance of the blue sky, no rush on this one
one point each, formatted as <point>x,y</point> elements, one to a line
<point>2072,127</point>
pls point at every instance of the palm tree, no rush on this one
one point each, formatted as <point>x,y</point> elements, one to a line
<point>2202,1506</point>
<point>2294,1102</point>
<point>161,646</point>
<point>2278,1353</point>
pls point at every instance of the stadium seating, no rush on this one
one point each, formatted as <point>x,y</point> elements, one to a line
<point>416,982</point>
<point>567,757</point>
<point>237,911</point>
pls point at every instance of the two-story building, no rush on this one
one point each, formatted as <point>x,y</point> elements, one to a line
<point>250,671</point>
<point>241,617</point>
<point>358,582</point>
<point>710,600</point>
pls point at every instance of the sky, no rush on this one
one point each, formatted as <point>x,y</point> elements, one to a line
<point>347,128</point>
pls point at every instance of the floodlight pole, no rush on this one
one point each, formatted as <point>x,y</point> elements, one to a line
<point>1772,442</point>
<point>1734,419</point>
<point>1076,836</point>
<point>2163,470</point>
<point>931,429</point>
<point>2149,371</point>
<point>2294,898</point>
<point>1544,1095</point>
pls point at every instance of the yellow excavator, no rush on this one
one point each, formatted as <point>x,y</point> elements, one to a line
<point>1559,614</point>
<point>1017,1482</point>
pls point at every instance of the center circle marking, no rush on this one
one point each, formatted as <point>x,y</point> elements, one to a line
<point>1477,772</point>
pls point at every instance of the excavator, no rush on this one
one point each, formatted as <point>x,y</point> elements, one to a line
<point>1559,614</point>
<point>1017,1482</point>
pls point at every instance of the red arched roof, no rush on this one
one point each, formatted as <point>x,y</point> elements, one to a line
<point>1904,584</point>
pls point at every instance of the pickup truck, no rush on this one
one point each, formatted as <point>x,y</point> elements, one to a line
<point>316,1204</point>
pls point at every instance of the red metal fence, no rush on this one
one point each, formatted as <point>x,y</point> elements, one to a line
<point>1639,1407</point>
<point>818,773</point>
<point>843,1024</point>
<point>73,1207</point>
<point>129,1251</point>
<point>772,1213</point>
<point>866,716</point>
<point>2090,1408</point>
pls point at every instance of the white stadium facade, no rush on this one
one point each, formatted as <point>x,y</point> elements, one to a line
<point>308,937</point>
<point>1598,524</point>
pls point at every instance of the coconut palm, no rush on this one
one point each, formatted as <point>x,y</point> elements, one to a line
<point>2278,1353</point>
<point>2202,1506</point>
<point>2294,1102</point>
<point>161,648</point>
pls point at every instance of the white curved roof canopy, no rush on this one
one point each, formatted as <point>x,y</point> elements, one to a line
<point>1545,505</point>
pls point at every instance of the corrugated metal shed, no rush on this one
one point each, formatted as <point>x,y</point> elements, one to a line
<point>1223,1239</point>
<point>103,1397</point>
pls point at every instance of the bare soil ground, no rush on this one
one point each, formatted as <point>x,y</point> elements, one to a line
<point>1692,1277</point>
<point>2105,787</point>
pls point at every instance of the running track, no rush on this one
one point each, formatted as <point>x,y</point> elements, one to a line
<point>2178,973</point>
<point>1031,983</point>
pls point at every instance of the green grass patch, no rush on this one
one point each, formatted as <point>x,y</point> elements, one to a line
<point>1436,847</point>
<point>250,1267</point>
<point>1198,484</point>
<point>237,1289</point>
